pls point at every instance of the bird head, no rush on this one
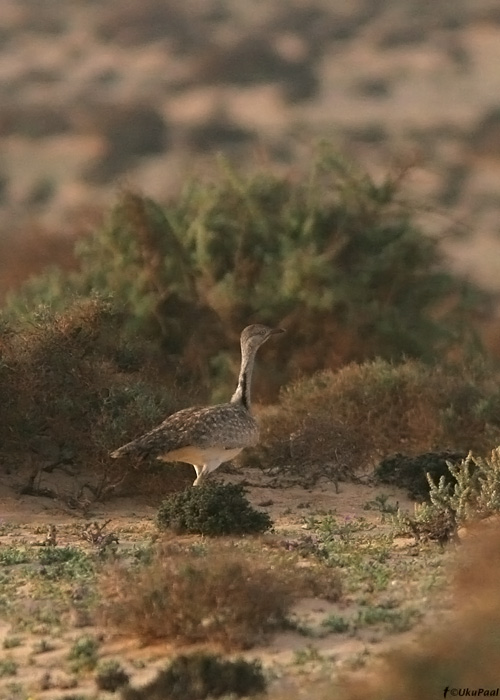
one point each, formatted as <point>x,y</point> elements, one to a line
<point>252,337</point>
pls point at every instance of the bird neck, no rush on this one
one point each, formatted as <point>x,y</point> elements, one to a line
<point>242,393</point>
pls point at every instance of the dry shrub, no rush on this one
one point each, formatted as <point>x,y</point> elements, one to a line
<point>346,419</point>
<point>464,652</point>
<point>216,593</point>
<point>73,389</point>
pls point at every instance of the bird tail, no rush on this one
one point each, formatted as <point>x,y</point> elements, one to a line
<point>127,449</point>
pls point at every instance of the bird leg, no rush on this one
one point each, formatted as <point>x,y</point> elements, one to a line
<point>199,474</point>
<point>202,473</point>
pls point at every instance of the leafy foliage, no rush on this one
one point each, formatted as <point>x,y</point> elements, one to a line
<point>65,563</point>
<point>474,494</point>
<point>212,509</point>
<point>333,255</point>
<point>430,522</point>
<point>202,675</point>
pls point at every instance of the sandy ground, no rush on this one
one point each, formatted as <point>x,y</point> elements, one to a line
<point>287,655</point>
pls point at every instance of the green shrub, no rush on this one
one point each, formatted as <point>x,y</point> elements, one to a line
<point>212,509</point>
<point>347,419</point>
<point>334,253</point>
<point>476,493</point>
<point>65,563</point>
<point>83,654</point>
<point>8,667</point>
<point>110,676</point>
<point>472,492</point>
<point>429,522</point>
<point>199,676</point>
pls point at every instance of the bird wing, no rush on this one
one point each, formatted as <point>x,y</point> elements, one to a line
<point>225,425</point>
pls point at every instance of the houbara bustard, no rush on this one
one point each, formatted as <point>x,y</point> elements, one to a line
<point>207,437</point>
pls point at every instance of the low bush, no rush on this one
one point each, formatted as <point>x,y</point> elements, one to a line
<point>232,594</point>
<point>350,418</point>
<point>83,654</point>
<point>217,596</point>
<point>212,509</point>
<point>429,522</point>
<point>110,676</point>
<point>199,676</point>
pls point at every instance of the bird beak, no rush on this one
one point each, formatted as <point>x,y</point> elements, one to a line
<point>275,331</point>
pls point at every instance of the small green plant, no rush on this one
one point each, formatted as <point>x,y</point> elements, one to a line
<point>199,676</point>
<point>475,494</point>
<point>12,642</point>
<point>302,628</point>
<point>395,619</point>
<point>336,623</point>
<point>11,555</point>
<point>8,667</point>
<point>83,654</point>
<point>354,546</point>
<point>381,503</point>
<point>308,655</point>
<point>212,509</point>
<point>429,522</point>
<point>42,646</point>
<point>111,676</point>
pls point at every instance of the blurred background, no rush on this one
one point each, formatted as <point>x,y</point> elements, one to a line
<point>99,95</point>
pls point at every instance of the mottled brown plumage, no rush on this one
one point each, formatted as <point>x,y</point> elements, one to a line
<point>207,437</point>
